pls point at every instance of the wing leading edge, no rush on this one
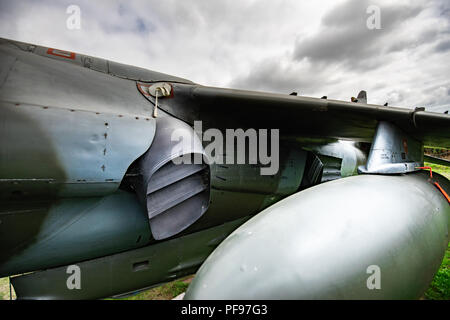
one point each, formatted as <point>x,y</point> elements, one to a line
<point>303,116</point>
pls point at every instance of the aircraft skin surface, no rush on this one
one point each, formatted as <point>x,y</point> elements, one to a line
<point>88,178</point>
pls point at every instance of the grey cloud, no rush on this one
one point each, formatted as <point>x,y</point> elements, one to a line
<point>443,46</point>
<point>345,39</point>
<point>396,64</point>
<point>261,45</point>
<point>269,75</point>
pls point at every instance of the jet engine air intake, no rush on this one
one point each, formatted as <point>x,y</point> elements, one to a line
<point>172,179</point>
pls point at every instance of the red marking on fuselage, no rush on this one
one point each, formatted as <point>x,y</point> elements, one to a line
<point>140,87</point>
<point>405,145</point>
<point>61,53</point>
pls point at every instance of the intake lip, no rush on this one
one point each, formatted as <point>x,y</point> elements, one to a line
<point>174,180</point>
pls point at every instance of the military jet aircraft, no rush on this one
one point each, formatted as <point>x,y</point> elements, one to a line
<point>108,186</point>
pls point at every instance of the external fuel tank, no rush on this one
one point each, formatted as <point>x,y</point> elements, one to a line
<point>361,237</point>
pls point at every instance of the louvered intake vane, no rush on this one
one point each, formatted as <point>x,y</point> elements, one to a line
<point>173,179</point>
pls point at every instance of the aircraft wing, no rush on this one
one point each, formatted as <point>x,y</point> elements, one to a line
<point>310,118</point>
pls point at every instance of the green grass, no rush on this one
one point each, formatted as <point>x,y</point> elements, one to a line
<point>165,292</point>
<point>445,171</point>
<point>4,289</point>
<point>440,286</point>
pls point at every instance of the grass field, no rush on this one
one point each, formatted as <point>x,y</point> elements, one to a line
<point>438,290</point>
<point>440,287</point>
<point>4,289</point>
<point>165,292</point>
<point>445,171</point>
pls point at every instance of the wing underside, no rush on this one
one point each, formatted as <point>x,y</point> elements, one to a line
<point>303,117</point>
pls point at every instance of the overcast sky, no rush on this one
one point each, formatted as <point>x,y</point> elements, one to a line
<point>313,47</point>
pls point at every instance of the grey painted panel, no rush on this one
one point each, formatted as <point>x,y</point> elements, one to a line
<point>98,64</point>
<point>72,152</point>
<point>71,230</point>
<point>351,155</point>
<point>38,80</point>
<point>393,151</point>
<point>66,130</point>
<point>140,74</point>
<point>120,273</point>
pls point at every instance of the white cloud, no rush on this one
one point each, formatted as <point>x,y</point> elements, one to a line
<point>313,47</point>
